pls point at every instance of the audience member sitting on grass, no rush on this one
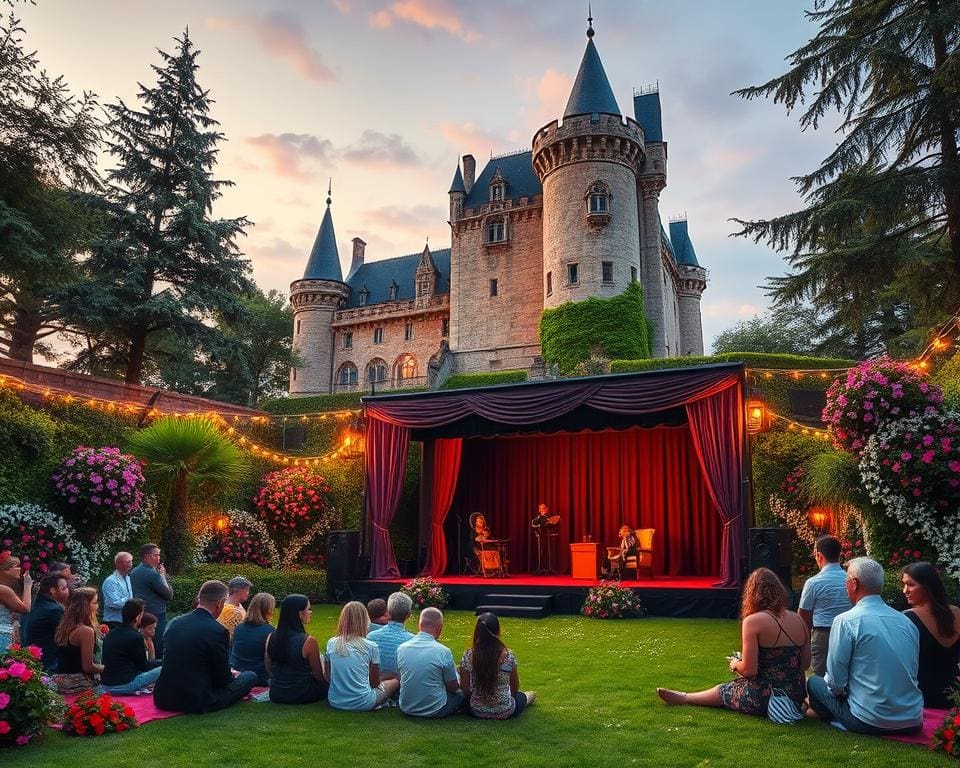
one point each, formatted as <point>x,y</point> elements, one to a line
<point>247,651</point>
<point>40,625</point>
<point>389,638</point>
<point>871,681</point>
<point>14,598</point>
<point>377,610</point>
<point>293,657</point>
<point>233,611</point>
<point>824,597</point>
<point>58,568</point>
<point>148,628</point>
<point>776,651</point>
<point>196,675</point>
<point>353,664</point>
<point>488,674</point>
<point>76,639</point>
<point>939,625</point>
<point>429,686</point>
<point>126,668</point>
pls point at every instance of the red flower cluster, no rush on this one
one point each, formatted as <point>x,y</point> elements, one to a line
<point>236,544</point>
<point>92,715</point>
<point>947,737</point>
<point>291,501</point>
<point>909,552</point>
<point>36,547</point>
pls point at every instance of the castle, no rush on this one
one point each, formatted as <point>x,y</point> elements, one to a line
<point>574,217</point>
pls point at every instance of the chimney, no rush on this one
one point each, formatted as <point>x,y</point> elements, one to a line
<point>358,248</point>
<point>469,172</point>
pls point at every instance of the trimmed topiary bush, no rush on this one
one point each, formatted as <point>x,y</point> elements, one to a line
<point>311,583</point>
<point>484,379</point>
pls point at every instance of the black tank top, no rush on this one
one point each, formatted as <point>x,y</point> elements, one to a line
<point>938,666</point>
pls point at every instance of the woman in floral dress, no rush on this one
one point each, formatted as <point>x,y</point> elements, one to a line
<point>776,652</point>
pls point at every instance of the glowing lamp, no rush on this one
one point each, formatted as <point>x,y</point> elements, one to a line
<point>221,522</point>
<point>756,416</point>
<point>819,518</point>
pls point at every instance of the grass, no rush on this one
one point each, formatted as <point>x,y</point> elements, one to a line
<point>596,706</point>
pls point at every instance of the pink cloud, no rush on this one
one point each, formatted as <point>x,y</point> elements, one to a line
<point>428,14</point>
<point>282,36</point>
<point>730,158</point>
<point>289,153</point>
<point>469,138</point>
<point>344,6</point>
<point>730,309</point>
<point>551,91</point>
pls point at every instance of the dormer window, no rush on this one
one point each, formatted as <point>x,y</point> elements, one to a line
<point>496,231</point>
<point>393,290</point>
<point>364,295</point>
<point>497,192</point>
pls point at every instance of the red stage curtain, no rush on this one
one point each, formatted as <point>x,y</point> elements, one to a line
<point>446,468</point>
<point>717,426</point>
<point>595,481</point>
<point>385,462</point>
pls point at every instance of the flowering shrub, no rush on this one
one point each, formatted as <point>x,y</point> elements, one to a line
<point>872,394</point>
<point>28,702</point>
<point>910,552</point>
<point>947,737</point>
<point>912,469</point>
<point>92,715</point>
<point>609,600</point>
<point>96,487</point>
<point>36,548</point>
<point>851,549</point>
<point>292,501</point>
<point>426,593</point>
<point>245,540</point>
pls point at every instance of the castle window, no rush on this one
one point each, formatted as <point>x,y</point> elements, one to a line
<point>493,286</point>
<point>393,290</point>
<point>298,327</point>
<point>633,274</point>
<point>573,274</point>
<point>445,327</point>
<point>598,203</point>
<point>378,335</point>
<point>376,371</point>
<point>496,192</point>
<point>347,375</point>
<point>294,374</point>
<point>408,332</point>
<point>364,293</point>
<point>348,340</point>
<point>549,283</point>
<point>606,271</point>
<point>405,368</point>
<point>496,230</point>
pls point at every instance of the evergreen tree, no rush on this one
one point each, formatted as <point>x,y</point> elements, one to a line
<point>887,199</point>
<point>165,264</point>
<point>788,330</point>
<point>48,143</point>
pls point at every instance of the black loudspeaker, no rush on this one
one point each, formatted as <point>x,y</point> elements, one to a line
<point>343,550</point>
<point>772,548</point>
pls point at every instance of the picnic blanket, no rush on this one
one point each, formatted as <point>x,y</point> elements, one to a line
<point>143,706</point>
<point>931,721</point>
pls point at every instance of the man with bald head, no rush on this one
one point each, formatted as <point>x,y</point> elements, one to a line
<point>429,686</point>
<point>117,589</point>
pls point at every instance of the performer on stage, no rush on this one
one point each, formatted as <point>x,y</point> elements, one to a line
<point>628,543</point>
<point>480,528</point>
<point>542,518</point>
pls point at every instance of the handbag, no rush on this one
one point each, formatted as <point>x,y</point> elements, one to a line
<point>782,709</point>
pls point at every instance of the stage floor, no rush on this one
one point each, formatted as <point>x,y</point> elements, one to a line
<point>534,580</point>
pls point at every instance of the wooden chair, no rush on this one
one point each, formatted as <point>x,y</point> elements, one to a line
<point>644,557</point>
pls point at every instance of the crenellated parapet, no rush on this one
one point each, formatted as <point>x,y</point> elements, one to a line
<point>588,138</point>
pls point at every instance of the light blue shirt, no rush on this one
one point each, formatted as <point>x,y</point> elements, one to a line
<point>826,595</point>
<point>116,591</point>
<point>425,665</point>
<point>350,675</point>
<point>388,639</point>
<point>874,654</point>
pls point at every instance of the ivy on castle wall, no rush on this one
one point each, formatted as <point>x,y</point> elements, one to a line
<point>615,327</point>
<point>484,379</point>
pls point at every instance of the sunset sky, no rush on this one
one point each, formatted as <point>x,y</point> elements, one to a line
<point>385,95</point>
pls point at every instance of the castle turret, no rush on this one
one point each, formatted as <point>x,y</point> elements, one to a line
<point>315,299</point>
<point>457,192</point>
<point>588,166</point>
<point>693,282</point>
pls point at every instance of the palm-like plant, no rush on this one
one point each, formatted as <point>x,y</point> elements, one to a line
<point>185,457</point>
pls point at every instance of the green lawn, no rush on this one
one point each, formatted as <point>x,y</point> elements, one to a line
<point>596,706</point>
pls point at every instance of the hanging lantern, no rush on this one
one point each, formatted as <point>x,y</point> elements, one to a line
<point>819,518</point>
<point>221,522</point>
<point>352,442</point>
<point>757,417</point>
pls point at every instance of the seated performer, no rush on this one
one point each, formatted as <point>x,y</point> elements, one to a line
<point>628,544</point>
<point>480,529</point>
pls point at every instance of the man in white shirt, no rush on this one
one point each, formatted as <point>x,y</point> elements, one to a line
<point>824,597</point>
<point>871,681</point>
<point>117,589</point>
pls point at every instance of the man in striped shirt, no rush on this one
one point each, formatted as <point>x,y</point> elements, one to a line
<point>393,633</point>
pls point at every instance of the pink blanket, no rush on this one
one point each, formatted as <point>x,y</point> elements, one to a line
<point>931,721</point>
<point>143,706</point>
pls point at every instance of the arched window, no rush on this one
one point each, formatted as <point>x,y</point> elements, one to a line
<point>405,368</point>
<point>347,375</point>
<point>598,200</point>
<point>376,371</point>
<point>496,230</point>
<point>364,295</point>
<point>393,290</point>
<point>496,192</point>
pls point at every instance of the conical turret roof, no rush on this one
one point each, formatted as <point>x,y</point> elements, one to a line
<point>457,184</point>
<point>324,262</point>
<point>591,91</point>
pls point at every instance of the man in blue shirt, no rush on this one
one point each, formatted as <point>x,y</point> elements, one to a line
<point>429,686</point>
<point>117,589</point>
<point>388,638</point>
<point>871,681</point>
<point>824,597</point>
<point>149,580</point>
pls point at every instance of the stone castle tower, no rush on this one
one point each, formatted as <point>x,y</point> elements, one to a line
<point>575,216</point>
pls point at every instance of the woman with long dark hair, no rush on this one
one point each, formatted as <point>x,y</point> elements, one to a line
<point>293,657</point>
<point>488,674</point>
<point>77,638</point>
<point>776,651</point>
<point>939,625</point>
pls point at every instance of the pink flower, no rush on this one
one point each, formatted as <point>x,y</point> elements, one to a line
<point>927,457</point>
<point>4,700</point>
<point>22,739</point>
<point>4,727</point>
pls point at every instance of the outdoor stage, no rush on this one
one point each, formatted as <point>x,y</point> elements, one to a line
<point>687,597</point>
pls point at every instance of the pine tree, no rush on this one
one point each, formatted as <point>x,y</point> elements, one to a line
<point>166,265</point>
<point>888,197</point>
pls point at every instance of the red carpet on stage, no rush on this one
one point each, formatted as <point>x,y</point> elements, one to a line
<point>532,580</point>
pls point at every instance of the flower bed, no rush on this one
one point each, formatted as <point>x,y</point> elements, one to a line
<point>426,593</point>
<point>92,715</point>
<point>28,701</point>
<point>609,600</point>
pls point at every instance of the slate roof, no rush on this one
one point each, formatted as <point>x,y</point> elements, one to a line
<point>378,275</point>
<point>646,111</point>
<point>324,261</point>
<point>457,184</point>
<point>682,247</point>
<point>591,91</point>
<point>517,171</point>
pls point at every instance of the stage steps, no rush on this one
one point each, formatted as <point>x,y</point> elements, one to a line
<point>516,606</point>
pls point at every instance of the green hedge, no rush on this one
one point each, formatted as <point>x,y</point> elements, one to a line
<point>486,379</point>
<point>313,584</point>
<point>615,327</point>
<point>750,359</point>
<point>313,403</point>
<point>948,377</point>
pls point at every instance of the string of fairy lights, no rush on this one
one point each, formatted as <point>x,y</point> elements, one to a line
<point>944,338</point>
